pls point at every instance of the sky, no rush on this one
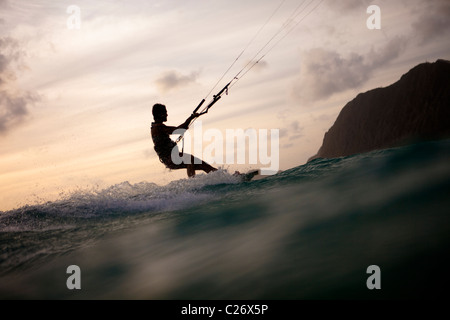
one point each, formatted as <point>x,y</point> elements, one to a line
<point>77,87</point>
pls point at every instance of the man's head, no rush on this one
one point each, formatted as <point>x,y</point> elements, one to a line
<point>159,112</point>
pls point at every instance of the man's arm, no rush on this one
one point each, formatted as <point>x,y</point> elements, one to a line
<point>185,124</point>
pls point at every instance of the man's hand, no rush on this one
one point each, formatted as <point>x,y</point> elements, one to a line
<point>185,125</point>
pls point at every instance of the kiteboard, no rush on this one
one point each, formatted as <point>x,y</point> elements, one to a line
<point>249,175</point>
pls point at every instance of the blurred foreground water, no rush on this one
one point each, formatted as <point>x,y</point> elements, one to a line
<point>309,232</point>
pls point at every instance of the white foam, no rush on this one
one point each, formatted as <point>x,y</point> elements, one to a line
<point>123,198</point>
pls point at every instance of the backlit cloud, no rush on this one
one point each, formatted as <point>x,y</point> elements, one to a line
<point>433,23</point>
<point>348,5</point>
<point>292,131</point>
<point>13,101</point>
<point>258,66</point>
<point>325,72</point>
<point>173,79</point>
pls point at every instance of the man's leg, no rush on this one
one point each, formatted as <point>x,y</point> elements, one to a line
<point>197,164</point>
<point>191,170</point>
<point>205,167</point>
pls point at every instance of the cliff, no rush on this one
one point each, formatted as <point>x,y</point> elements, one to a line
<point>415,108</point>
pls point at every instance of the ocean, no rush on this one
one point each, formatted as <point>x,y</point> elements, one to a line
<point>307,233</point>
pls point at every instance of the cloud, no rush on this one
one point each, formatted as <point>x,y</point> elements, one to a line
<point>259,66</point>
<point>292,131</point>
<point>325,72</point>
<point>349,5</point>
<point>13,109</point>
<point>173,79</point>
<point>434,22</point>
<point>13,101</point>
